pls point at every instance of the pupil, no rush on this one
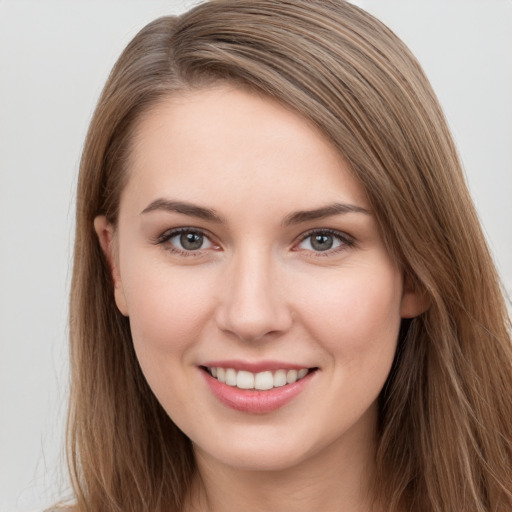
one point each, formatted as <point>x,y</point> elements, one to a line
<point>322,242</point>
<point>191,241</point>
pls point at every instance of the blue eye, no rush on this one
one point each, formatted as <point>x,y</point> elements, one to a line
<point>323,241</point>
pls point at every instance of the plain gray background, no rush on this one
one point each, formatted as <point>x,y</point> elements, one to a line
<point>54,59</point>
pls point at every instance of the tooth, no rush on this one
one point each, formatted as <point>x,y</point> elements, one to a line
<point>245,380</point>
<point>221,374</point>
<point>230,377</point>
<point>279,378</point>
<point>264,381</point>
<point>302,373</point>
<point>261,381</point>
<point>291,376</point>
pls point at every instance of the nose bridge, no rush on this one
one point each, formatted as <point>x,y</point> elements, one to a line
<point>252,303</point>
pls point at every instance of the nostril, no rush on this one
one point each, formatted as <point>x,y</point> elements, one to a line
<point>255,324</point>
<point>251,305</point>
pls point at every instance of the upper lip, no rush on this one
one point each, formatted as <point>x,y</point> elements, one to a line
<point>255,366</point>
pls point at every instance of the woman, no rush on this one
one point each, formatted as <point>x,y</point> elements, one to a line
<point>282,298</point>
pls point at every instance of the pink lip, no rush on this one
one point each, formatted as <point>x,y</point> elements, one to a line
<point>253,401</point>
<point>253,367</point>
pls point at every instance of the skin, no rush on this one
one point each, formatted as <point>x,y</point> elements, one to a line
<point>257,289</point>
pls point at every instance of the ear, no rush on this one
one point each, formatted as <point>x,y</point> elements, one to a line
<point>106,237</point>
<point>415,300</point>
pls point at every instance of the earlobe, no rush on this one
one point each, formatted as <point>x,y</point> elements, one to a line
<point>106,237</point>
<point>415,301</point>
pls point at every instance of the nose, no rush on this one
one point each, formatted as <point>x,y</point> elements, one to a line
<point>253,302</point>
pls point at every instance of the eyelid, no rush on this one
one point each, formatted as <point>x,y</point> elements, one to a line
<point>171,233</point>
<point>347,241</point>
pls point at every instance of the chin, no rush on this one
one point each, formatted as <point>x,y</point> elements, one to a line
<point>260,452</point>
<point>268,460</point>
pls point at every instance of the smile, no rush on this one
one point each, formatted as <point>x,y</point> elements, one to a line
<point>261,381</point>
<point>265,389</point>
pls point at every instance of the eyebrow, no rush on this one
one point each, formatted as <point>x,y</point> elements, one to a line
<point>321,213</point>
<point>184,208</point>
<point>208,214</point>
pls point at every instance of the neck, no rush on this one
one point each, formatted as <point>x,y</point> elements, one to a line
<point>336,479</point>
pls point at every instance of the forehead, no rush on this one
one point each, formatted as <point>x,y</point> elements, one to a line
<point>221,140</point>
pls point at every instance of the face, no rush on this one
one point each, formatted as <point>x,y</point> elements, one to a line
<point>263,305</point>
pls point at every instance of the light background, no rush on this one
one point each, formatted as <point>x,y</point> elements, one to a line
<point>54,59</point>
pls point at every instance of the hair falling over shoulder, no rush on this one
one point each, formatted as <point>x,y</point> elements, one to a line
<point>445,440</point>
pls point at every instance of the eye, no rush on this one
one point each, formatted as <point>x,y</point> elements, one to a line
<point>186,240</point>
<point>324,240</point>
<point>190,241</point>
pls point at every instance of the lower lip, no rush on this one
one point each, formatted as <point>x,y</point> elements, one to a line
<point>253,401</point>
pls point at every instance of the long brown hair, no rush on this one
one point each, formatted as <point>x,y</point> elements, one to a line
<point>445,426</point>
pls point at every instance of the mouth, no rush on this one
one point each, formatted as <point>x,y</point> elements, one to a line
<point>261,381</point>
<point>268,387</point>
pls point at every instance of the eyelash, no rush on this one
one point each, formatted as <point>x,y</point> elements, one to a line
<point>168,235</point>
<point>346,241</point>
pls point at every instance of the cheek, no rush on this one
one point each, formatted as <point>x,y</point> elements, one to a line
<point>168,308</point>
<point>168,311</point>
<point>355,314</point>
